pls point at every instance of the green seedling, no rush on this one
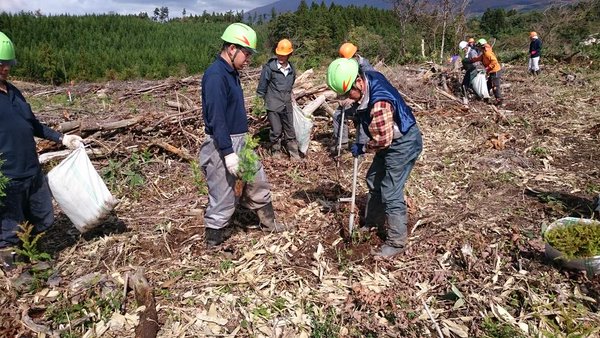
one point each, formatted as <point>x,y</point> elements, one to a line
<point>258,107</point>
<point>199,181</point>
<point>29,244</point>
<point>248,165</point>
<point>3,181</point>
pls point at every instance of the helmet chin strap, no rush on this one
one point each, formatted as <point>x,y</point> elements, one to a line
<point>232,58</point>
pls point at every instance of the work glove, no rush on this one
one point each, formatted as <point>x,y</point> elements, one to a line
<point>232,162</point>
<point>72,141</point>
<point>533,52</point>
<point>357,149</point>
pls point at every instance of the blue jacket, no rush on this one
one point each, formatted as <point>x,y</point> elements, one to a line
<point>380,89</point>
<point>535,45</point>
<point>223,108</point>
<point>18,126</point>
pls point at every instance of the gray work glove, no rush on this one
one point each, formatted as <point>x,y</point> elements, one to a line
<point>72,141</point>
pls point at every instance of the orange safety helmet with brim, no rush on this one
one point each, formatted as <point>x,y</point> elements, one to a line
<point>347,50</point>
<point>284,47</point>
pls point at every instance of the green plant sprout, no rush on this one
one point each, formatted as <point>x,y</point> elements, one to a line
<point>248,160</point>
<point>258,106</point>
<point>29,244</point>
<point>198,179</point>
<point>3,181</point>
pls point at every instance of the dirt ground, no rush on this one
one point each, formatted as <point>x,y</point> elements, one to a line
<point>487,183</point>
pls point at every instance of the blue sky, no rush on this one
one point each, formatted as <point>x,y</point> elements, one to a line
<point>79,7</point>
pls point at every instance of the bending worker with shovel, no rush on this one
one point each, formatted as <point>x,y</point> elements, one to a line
<point>393,135</point>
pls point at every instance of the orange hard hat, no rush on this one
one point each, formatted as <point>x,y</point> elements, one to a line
<point>347,50</point>
<point>284,47</point>
<point>532,34</point>
<point>471,40</point>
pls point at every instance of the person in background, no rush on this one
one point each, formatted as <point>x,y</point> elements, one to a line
<point>492,68</point>
<point>348,51</point>
<point>226,126</point>
<point>394,136</point>
<point>467,66</point>
<point>275,87</point>
<point>535,51</point>
<point>471,43</point>
<point>27,194</point>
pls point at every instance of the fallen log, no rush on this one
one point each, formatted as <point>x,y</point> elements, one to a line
<point>144,295</point>
<point>177,151</point>
<point>59,155</point>
<point>314,105</point>
<point>95,126</point>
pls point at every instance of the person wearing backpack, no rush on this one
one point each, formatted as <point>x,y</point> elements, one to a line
<point>394,136</point>
<point>27,197</point>
<point>275,87</point>
<point>226,126</point>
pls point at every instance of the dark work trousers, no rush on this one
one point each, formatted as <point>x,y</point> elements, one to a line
<point>493,82</point>
<point>386,178</point>
<point>27,200</point>
<point>282,127</point>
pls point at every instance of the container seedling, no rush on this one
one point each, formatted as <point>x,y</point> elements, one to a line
<point>248,166</point>
<point>575,243</point>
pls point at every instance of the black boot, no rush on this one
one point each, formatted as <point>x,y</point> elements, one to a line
<point>266,215</point>
<point>374,216</point>
<point>215,237</point>
<point>396,237</point>
<point>7,258</point>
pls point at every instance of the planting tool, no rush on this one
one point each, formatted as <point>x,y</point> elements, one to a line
<point>353,200</point>
<point>341,133</point>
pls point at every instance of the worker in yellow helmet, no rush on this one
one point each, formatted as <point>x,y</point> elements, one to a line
<point>347,50</point>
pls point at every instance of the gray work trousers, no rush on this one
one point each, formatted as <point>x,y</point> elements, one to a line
<point>221,195</point>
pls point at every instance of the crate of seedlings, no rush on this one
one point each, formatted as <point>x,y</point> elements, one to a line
<point>574,243</point>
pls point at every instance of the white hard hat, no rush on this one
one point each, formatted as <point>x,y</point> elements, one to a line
<point>462,45</point>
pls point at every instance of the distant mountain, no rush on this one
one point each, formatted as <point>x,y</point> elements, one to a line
<point>476,6</point>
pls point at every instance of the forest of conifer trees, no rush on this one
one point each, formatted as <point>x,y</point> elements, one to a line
<point>56,49</point>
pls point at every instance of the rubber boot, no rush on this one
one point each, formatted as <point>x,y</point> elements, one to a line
<point>215,237</point>
<point>7,258</point>
<point>374,216</point>
<point>276,150</point>
<point>292,148</point>
<point>396,237</point>
<point>266,215</point>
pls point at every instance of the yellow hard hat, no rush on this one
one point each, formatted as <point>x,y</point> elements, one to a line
<point>284,47</point>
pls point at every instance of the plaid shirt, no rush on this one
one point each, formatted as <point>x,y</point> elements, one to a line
<point>382,126</point>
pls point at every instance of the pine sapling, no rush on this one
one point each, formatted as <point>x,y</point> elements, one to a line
<point>248,166</point>
<point>3,181</point>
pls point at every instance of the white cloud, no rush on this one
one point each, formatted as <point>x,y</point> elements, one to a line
<point>79,7</point>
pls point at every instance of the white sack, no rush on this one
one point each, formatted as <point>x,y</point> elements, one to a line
<point>303,127</point>
<point>479,84</point>
<point>80,191</point>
